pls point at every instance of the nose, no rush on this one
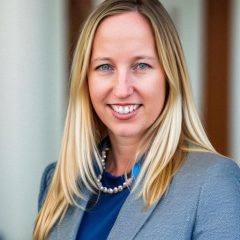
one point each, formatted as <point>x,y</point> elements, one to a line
<point>123,85</point>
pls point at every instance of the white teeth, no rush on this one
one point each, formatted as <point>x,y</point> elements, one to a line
<point>120,109</point>
<point>125,109</point>
<point>115,108</point>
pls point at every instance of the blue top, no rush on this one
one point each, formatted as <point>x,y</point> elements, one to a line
<point>100,215</point>
<point>102,210</point>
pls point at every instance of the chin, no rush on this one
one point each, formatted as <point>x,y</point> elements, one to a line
<point>127,133</point>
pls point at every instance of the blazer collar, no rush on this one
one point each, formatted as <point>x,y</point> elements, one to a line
<point>131,218</point>
<point>67,228</point>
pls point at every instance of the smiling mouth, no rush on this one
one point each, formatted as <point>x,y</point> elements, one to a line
<point>126,109</point>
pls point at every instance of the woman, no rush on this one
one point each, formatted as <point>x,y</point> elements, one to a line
<point>135,162</point>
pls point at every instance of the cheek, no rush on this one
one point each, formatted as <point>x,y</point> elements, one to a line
<point>93,94</point>
<point>156,96</point>
<point>95,90</point>
<point>98,88</point>
<point>97,95</point>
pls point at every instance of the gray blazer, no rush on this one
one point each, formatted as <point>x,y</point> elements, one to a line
<point>202,203</point>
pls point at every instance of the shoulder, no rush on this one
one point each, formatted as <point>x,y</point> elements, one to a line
<point>215,175</point>
<point>204,165</point>
<point>207,178</point>
<point>45,183</point>
<point>209,184</point>
<point>217,181</point>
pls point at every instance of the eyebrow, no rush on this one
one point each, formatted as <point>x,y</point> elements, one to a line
<point>144,57</point>
<point>135,58</point>
<point>101,59</point>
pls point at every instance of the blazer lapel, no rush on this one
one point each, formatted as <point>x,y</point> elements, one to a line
<point>131,218</point>
<point>67,228</point>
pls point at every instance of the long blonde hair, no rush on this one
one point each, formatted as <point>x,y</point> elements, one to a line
<point>165,142</point>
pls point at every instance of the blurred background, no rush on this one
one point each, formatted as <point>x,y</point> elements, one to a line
<point>37,39</point>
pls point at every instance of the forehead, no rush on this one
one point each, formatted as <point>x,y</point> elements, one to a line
<point>131,20</point>
<point>129,28</point>
<point>127,21</point>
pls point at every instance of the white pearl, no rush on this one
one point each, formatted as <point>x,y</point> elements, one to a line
<point>110,190</point>
<point>115,189</point>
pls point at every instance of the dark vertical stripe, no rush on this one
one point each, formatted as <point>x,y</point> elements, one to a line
<point>216,102</point>
<point>77,12</point>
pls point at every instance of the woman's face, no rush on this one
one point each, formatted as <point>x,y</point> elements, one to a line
<point>126,80</point>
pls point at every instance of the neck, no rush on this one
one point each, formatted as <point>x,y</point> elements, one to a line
<point>122,155</point>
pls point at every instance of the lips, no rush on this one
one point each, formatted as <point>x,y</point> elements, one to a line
<point>126,109</point>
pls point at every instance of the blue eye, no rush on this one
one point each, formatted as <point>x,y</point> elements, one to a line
<point>143,66</point>
<point>104,67</point>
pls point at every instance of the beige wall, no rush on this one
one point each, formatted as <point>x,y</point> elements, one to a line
<point>32,76</point>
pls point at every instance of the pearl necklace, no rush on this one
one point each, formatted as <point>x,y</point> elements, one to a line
<point>127,183</point>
